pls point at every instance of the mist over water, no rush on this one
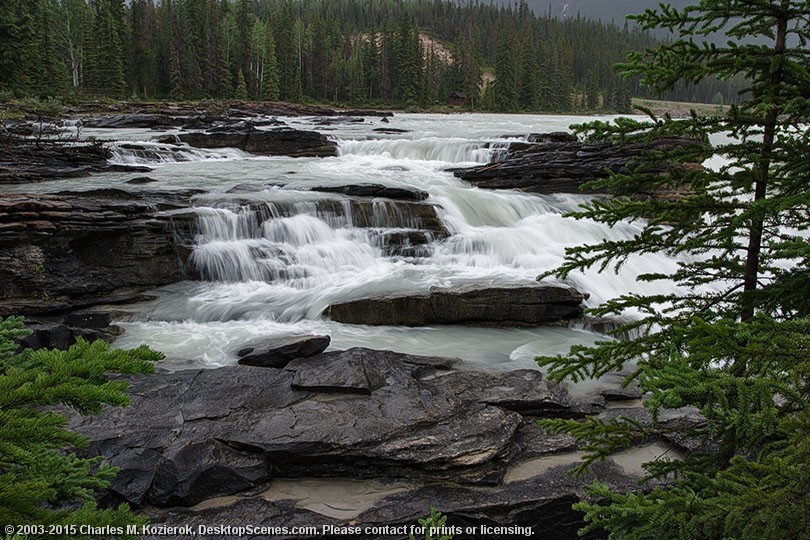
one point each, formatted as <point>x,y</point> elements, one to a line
<point>275,255</point>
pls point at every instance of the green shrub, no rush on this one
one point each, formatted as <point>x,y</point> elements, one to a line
<point>42,480</point>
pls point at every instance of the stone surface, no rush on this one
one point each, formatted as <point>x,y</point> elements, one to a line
<point>137,120</point>
<point>25,160</point>
<point>531,305</point>
<point>375,190</point>
<point>64,252</point>
<point>554,164</point>
<point>278,352</point>
<point>357,413</point>
<point>274,142</point>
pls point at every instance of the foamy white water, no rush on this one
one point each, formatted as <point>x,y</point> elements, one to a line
<point>275,255</point>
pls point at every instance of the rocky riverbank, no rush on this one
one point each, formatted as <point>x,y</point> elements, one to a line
<point>358,437</point>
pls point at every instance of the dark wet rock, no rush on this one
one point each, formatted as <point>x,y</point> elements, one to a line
<point>59,253</point>
<point>47,336</point>
<point>275,142</point>
<point>276,353</point>
<point>365,437</point>
<point>335,120</point>
<point>497,306</point>
<point>34,160</point>
<point>148,120</point>
<point>375,190</point>
<point>88,319</point>
<point>391,131</point>
<point>403,426</point>
<point>554,164</point>
<point>140,180</point>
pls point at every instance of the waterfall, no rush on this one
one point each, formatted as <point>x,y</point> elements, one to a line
<point>152,153</point>
<point>456,150</point>
<point>275,257</point>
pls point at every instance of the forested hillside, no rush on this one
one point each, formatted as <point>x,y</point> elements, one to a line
<point>417,54</point>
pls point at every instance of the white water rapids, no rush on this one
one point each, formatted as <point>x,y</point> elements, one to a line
<point>275,255</point>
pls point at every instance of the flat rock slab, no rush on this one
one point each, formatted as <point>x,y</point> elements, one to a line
<point>275,142</point>
<point>276,353</point>
<point>375,190</point>
<point>532,305</point>
<point>192,435</point>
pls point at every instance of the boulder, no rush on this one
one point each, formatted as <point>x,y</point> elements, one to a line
<point>274,142</point>
<point>276,353</point>
<point>497,306</point>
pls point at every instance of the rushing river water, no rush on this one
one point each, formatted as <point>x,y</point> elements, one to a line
<point>274,276</point>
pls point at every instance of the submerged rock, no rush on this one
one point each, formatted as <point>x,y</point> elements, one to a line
<point>497,306</point>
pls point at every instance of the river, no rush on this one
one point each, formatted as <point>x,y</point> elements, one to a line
<point>275,276</point>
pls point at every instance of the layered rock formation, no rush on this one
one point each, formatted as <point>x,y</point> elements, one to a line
<point>63,252</point>
<point>274,142</point>
<point>363,436</point>
<point>557,164</point>
<point>531,305</point>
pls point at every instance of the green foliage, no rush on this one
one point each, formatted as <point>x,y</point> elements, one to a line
<point>41,480</point>
<point>433,525</point>
<point>735,341</point>
<point>411,54</point>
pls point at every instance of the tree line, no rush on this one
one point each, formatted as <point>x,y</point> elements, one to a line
<point>417,54</point>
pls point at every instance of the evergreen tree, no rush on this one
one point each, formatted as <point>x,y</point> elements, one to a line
<point>241,91</point>
<point>736,343</point>
<point>41,480</point>
<point>269,72</point>
<point>106,63</point>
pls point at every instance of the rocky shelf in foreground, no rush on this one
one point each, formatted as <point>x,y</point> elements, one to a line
<point>532,305</point>
<point>559,163</point>
<point>357,436</point>
<point>360,435</point>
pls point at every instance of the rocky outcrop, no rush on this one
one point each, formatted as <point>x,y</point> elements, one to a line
<point>34,160</point>
<point>498,306</point>
<point>278,352</point>
<point>63,252</point>
<point>557,165</point>
<point>136,120</point>
<point>373,438</point>
<point>274,142</point>
<point>192,435</point>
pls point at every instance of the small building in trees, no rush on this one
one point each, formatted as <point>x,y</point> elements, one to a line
<point>458,99</point>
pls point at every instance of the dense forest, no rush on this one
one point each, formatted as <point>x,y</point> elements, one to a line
<point>414,54</point>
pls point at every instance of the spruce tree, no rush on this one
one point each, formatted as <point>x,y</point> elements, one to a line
<point>42,481</point>
<point>735,343</point>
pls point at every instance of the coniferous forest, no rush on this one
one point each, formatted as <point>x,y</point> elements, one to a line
<point>416,54</point>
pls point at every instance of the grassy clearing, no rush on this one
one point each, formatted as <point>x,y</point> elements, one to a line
<point>679,108</point>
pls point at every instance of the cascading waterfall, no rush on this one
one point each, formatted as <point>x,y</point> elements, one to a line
<point>151,153</point>
<point>275,257</point>
<point>456,150</point>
